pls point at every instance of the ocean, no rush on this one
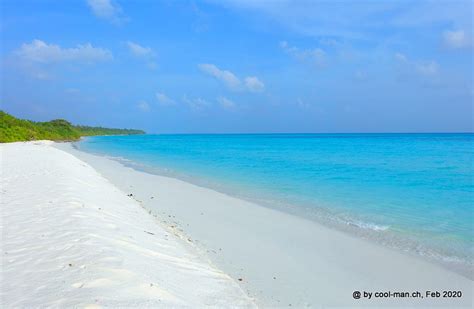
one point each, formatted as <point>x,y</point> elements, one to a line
<point>412,192</point>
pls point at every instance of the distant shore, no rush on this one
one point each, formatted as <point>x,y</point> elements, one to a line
<point>13,129</point>
<point>277,258</point>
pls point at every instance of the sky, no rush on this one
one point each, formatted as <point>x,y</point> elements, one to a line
<point>240,66</point>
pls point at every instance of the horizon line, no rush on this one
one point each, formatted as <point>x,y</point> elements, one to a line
<point>268,133</point>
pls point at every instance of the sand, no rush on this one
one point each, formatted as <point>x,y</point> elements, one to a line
<point>280,259</point>
<point>70,238</point>
<point>80,230</point>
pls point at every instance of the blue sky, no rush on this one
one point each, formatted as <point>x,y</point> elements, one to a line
<point>241,65</point>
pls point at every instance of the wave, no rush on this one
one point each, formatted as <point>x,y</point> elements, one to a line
<point>368,225</point>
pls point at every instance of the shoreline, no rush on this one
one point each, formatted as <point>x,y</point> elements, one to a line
<point>72,239</point>
<point>367,230</point>
<point>281,259</point>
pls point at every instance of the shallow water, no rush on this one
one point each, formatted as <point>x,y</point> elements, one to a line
<point>411,191</point>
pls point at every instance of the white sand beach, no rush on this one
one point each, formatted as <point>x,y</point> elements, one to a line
<point>280,259</point>
<point>72,239</point>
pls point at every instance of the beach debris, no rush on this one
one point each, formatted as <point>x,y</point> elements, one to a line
<point>149,232</point>
<point>130,195</point>
<point>70,265</point>
<point>240,279</point>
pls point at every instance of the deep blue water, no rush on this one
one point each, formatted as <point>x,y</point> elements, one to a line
<point>413,191</point>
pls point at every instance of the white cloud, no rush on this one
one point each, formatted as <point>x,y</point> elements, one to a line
<point>427,68</point>
<point>196,103</point>
<point>143,106</point>
<point>251,83</point>
<point>254,84</point>
<point>142,52</point>
<point>400,57</point>
<point>455,39</point>
<point>139,51</point>
<point>107,9</point>
<point>42,52</point>
<point>225,76</point>
<point>337,19</point>
<point>316,56</point>
<point>163,99</point>
<point>226,103</point>
<point>284,45</point>
<point>420,67</point>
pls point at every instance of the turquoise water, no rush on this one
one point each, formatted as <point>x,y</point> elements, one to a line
<point>411,191</point>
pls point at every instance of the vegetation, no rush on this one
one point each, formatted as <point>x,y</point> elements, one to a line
<point>13,129</point>
<point>91,131</point>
